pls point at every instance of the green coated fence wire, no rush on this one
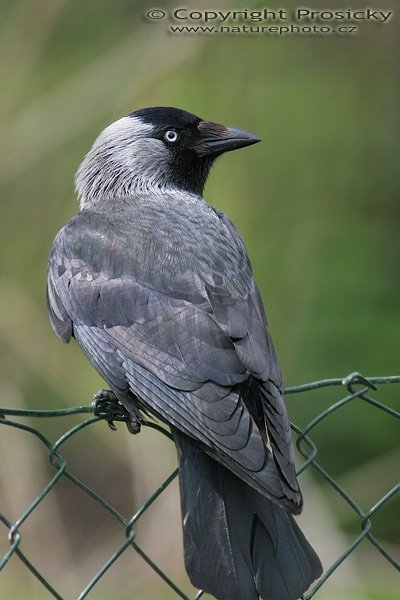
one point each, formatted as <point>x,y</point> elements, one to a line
<point>356,386</point>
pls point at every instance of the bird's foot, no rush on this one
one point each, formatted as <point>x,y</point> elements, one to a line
<point>107,406</point>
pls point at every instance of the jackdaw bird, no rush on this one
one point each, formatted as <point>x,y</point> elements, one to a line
<point>156,287</point>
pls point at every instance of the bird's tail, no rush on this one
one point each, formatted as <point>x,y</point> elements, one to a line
<point>238,544</point>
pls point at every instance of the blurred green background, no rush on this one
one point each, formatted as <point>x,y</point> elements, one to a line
<point>317,204</point>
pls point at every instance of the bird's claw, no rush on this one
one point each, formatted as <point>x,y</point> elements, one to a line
<point>107,406</point>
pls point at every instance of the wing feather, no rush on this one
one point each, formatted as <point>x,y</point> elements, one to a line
<point>183,338</point>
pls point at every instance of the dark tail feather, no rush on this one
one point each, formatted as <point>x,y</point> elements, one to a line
<point>238,544</point>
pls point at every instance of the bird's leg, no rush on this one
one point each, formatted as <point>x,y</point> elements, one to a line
<point>107,405</point>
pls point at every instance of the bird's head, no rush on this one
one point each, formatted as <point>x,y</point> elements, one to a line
<point>154,149</point>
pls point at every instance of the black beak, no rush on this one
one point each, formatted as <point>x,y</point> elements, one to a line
<point>216,139</point>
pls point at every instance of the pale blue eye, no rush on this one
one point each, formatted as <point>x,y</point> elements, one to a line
<point>171,136</point>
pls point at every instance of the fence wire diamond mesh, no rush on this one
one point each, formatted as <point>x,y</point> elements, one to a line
<point>356,386</point>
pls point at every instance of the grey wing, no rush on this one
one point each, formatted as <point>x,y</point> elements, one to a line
<point>185,360</point>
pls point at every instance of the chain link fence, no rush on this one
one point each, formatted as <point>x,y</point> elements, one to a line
<point>357,389</point>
